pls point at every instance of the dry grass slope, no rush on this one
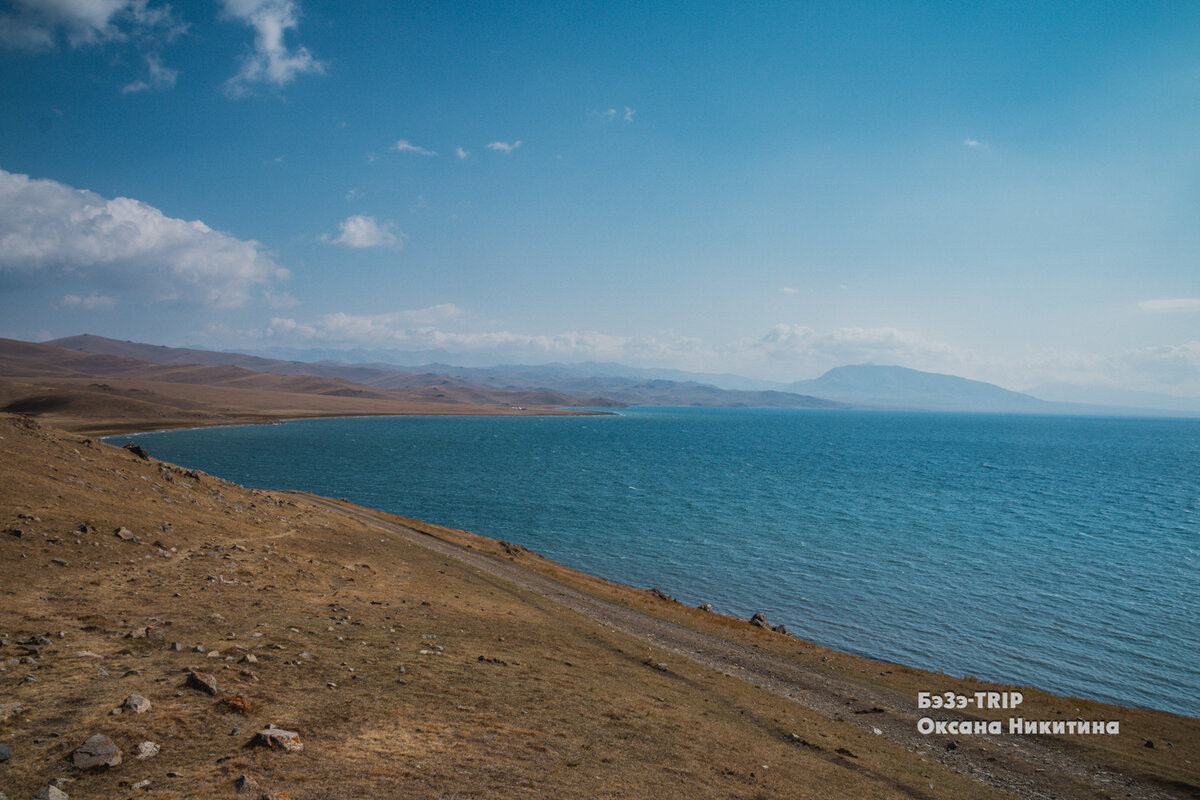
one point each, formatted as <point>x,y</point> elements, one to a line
<point>408,672</point>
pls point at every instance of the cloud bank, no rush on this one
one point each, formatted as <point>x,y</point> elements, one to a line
<point>53,234</point>
<point>37,24</point>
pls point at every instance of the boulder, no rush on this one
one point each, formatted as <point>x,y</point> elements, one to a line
<point>147,750</point>
<point>277,739</point>
<point>97,752</point>
<point>245,783</point>
<point>137,704</point>
<point>203,682</point>
<point>759,620</point>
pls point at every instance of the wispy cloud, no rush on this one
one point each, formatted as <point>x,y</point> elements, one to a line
<point>93,302</point>
<point>788,290</point>
<point>361,230</point>
<point>1170,305</point>
<point>405,146</point>
<point>968,142</point>
<point>271,61</point>
<point>504,147</point>
<point>613,114</point>
<point>458,151</point>
<point>158,78</point>
<point>37,24</point>
<point>54,234</point>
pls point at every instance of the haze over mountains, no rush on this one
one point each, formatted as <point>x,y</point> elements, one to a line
<point>608,385</point>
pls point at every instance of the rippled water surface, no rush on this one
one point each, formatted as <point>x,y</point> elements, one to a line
<point>1061,552</point>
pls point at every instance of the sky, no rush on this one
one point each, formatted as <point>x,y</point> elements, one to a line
<point>1004,191</point>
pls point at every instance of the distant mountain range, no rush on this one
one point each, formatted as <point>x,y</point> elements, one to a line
<point>606,384</point>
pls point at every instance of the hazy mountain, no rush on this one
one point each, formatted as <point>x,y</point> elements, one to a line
<point>898,387</point>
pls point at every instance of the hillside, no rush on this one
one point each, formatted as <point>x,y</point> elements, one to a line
<point>409,660</point>
<point>560,385</point>
<point>107,393</point>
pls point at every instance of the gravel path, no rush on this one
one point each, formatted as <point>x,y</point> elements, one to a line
<point>1027,767</point>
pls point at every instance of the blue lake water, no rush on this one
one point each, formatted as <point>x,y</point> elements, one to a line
<point>1060,552</point>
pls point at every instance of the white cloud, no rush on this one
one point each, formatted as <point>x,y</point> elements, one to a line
<point>53,233</point>
<point>458,151</point>
<point>36,24</point>
<point>271,61</point>
<point>503,147</point>
<point>405,146</point>
<point>788,290</point>
<point>441,328</point>
<point>93,302</point>
<point>628,115</point>
<point>361,230</point>
<point>972,143</point>
<point>807,352</point>
<point>159,77</point>
<point>1168,305</point>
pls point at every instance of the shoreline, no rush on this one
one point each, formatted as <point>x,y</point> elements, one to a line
<point>577,681</point>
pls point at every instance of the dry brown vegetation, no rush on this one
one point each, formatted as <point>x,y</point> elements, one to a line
<point>104,394</point>
<point>418,661</point>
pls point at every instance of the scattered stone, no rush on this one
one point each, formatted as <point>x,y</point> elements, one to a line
<point>705,607</point>
<point>780,629</point>
<point>661,595</point>
<point>137,450</point>
<point>249,658</point>
<point>62,562</point>
<point>176,646</point>
<point>50,793</point>
<point>1149,743</point>
<point>277,794</point>
<point>202,681</point>
<point>126,534</point>
<point>759,620</point>
<point>147,750</point>
<point>17,532</point>
<point>97,752</point>
<point>5,753</point>
<point>245,783</point>
<point>277,738</point>
<point>142,784</point>
<point>87,654</point>
<point>236,703</point>
<point>137,704</point>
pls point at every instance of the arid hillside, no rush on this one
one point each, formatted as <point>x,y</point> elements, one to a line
<point>105,393</point>
<point>165,634</point>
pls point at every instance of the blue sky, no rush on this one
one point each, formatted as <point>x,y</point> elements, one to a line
<point>1008,192</point>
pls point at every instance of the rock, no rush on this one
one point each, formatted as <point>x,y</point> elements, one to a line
<point>10,710</point>
<point>137,704</point>
<point>277,794</point>
<point>126,534</point>
<point>147,750</point>
<point>50,793</point>
<point>277,739</point>
<point>137,450</point>
<point>62,562</point>
<point>780,629</point>
<point>141,784</point>
<point>760,621</point>
<point>97,752</point>
<point>17,532</point>
<point>705,607</point>
<point>156,634</point>
<point>5,753</point>
<point>202,681</point>
<point>245,783</point>
<point>176,647</point>
<point>236,703</point>
<point>249,658</point>
<point>661,595</point>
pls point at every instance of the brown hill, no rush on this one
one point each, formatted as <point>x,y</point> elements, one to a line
<point>110,392</point>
